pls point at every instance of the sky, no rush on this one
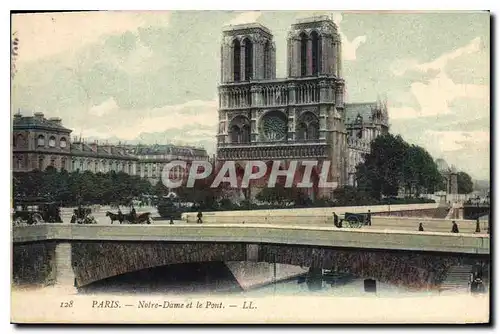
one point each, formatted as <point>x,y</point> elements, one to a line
<point>153,76</point>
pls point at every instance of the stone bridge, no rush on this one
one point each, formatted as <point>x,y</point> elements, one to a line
<point>79,255</point>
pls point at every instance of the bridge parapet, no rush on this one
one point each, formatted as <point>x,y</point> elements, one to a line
<point>322,211</point>
<point>328,236</point>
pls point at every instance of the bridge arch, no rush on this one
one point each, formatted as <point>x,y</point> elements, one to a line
<point>97,261</point>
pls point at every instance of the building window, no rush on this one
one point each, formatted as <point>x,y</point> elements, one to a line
<point>40,163</point>
<point>52,141</point>
<point>236,60</point>
<point>316,52</point>
<point>248,59</point>
<point>63,163</point>
<point>19,141</point>
<point>41,140</point>
<point>62,142</point>
<point>267,60</point>
<point>53,162</point>
<point>19,163</point>
<point>303,54</point>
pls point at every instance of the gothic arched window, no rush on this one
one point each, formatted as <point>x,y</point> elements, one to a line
<point>267,60</point>
<point>235,134</point>
<point>316,52</point>
<point>301,131</point>
<point>236,60</point>
<point>303,54</point>
<point>248,59</point>
<point>308,127</point>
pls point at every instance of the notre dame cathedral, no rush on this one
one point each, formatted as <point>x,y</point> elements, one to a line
<point>301,117</point>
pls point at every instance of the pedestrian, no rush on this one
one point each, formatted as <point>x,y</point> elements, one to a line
<point>454,227</point>
<point>335,219</point>
<point>200,215</point>
<point>369,218</point>
<point>171,220</point>
<point>420,227</point>
<point>478,228</point>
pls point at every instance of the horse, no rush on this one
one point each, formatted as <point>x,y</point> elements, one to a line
<point>115,216</point>
<point>140,218</point>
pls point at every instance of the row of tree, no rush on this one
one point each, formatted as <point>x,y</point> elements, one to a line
<point>73,188</point>
<point>394,166</point>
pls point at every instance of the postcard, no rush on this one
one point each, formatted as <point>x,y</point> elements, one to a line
<point>250,167</point>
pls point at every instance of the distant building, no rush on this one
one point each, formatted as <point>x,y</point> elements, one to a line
<point>152,158</point>
<point>103,158</point>
<point>364,123</point>
<point>450,176</point>
<point>38,142</point>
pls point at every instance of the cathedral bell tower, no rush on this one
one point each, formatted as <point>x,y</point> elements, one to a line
<point>248,53</point>
<point>314,56</point>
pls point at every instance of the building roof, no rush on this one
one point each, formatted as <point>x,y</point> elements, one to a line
<point>246,26</point>
<point>38,121</point>
<point>85,149</point>
<point>158,149</point>
<point>365,110</point>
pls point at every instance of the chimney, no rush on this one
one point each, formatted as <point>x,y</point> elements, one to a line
<point>56,120</point>
<point>39,116</point>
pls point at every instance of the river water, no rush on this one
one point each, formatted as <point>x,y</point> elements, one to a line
<point>218,278</point>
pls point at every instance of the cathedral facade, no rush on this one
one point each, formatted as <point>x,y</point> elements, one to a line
<point>300,117</point>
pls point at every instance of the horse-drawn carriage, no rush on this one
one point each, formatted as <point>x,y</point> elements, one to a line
<point>132,217</point>
<point>355,220</point>
<point>83,215</point>
<point>32,211</point>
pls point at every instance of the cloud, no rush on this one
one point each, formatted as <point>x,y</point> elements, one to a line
<point>46,34</point>
<point>199,116</point>
<point>349,48</point>
<point>136,61</point>
<point>466,150</point>
<point>107,107</point>
<point>448,141</point>
<point>245,17</point>
<point>435,96</point>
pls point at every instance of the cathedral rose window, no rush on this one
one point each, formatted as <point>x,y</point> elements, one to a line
<point>274,126</point>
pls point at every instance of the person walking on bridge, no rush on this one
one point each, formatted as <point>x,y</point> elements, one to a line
<point>454,228</point>
<point>200,215</point>
<point>335,219</point>
<point>420,227</point>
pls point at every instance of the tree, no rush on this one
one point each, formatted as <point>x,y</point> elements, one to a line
<point>381,173</point>
<point>464,183</point>
<point>393,164</point>
<point>276,196</point>
<point>420,172</point>
<point>348,195</point>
